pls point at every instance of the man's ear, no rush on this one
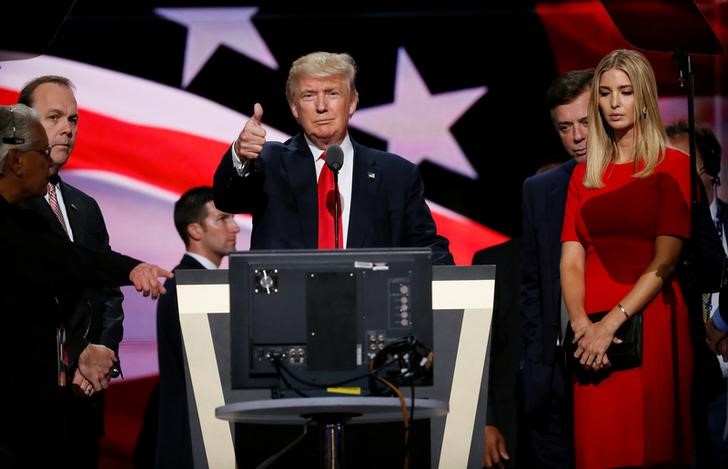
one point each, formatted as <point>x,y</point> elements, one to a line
<point>194,231</point>
<point>353,104</point>
<point>13,162</point>
<point>294,111</point>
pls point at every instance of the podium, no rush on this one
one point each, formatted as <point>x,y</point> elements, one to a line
<point>462,302</point>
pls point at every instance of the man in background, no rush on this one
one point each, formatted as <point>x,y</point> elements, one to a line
<point>208,235</point>
<point>710,390</point>
<point>94,328</point>
<point>501,417</point>
<point>545,388</point>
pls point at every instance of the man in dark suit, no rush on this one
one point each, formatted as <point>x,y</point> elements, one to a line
<point>382,200</point>
<point>42,273</point>
<point>545,389</point>
<point>699,280</point>
<point>209,235</point>
<point>94,328</point>
<point>501,418</point>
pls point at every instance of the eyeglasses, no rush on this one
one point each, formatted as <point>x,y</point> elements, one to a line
<point>46,152</point>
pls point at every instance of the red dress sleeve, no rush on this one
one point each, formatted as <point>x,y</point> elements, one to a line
<point>674,185</point>
<point>576,183</point>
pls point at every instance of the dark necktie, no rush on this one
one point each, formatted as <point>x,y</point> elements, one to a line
<point>326,197</point>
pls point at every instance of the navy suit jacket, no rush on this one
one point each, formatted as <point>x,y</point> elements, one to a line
<point>388,206</point>
<point>502,409</point>
<point>723,217</point>
<point>544,199</point>
<point>174,444</point>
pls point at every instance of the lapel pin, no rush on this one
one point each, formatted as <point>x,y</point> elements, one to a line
<point>73,207</point>
<point>372,175</point>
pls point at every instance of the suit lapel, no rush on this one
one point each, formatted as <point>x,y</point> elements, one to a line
<point>556,202</point>
<point>364,187</point>
<point>300,170</point>
<point>41,207</point>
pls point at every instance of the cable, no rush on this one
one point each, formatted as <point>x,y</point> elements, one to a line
<point>278,367</point>
<point>290,445</point>
<point>415,359</point>
<point>329,385</point>
<point>402,402</point>
<point>406,422</point>
<point>411,425</point>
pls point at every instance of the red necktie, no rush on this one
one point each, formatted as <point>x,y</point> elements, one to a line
<point>326,197</point>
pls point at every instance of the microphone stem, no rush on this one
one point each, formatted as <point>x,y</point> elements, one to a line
<point>336,209</point>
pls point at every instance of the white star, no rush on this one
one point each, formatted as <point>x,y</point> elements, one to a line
<point>417,125</point>
<point>211,27</point>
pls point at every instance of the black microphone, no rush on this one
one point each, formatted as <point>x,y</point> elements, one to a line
<point>335,160</point>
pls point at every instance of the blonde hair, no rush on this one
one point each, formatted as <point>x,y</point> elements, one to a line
<point>650,139</point>
<point>321,65</point>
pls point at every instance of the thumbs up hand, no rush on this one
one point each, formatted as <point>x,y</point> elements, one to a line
<point>251,139</point>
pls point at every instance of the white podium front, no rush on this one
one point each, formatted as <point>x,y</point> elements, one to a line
<point>462,303</point>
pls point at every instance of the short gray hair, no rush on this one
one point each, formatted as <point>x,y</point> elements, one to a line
<point>16,129</point>
<point>321,65</point>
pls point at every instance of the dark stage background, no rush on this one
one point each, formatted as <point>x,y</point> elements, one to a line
<point>456,87</point>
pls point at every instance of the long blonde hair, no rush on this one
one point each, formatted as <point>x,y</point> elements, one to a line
<point>650,139</point>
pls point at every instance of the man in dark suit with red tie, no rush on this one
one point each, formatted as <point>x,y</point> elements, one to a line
<point>94,328</point>
<point>381,194</point>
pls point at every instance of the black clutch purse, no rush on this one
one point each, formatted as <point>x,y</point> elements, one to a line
<point>622,356</point>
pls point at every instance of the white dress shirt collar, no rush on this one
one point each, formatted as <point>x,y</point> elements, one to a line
<point>206,263</point>
<point>346,177</point>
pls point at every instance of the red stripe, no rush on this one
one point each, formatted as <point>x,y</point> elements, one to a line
<point>580,33</point>
<point>466,236</point>
<point>176,161</point>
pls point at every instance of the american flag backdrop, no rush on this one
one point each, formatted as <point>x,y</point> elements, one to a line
<point>456,87</point>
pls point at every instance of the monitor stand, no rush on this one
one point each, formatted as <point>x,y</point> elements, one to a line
<point>332,414</point>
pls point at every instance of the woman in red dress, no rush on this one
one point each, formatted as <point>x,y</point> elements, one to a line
<point>627,214</point>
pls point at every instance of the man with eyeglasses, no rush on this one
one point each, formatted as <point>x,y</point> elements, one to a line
<point>42,273</point>
<point>94,329</point>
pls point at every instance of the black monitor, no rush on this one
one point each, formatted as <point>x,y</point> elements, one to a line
<point>303,321</point>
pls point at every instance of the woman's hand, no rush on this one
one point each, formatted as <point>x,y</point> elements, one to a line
<point>593,344</point>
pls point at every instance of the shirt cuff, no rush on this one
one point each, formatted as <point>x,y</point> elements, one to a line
<point>240,168</point>
<point>719,322</point>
